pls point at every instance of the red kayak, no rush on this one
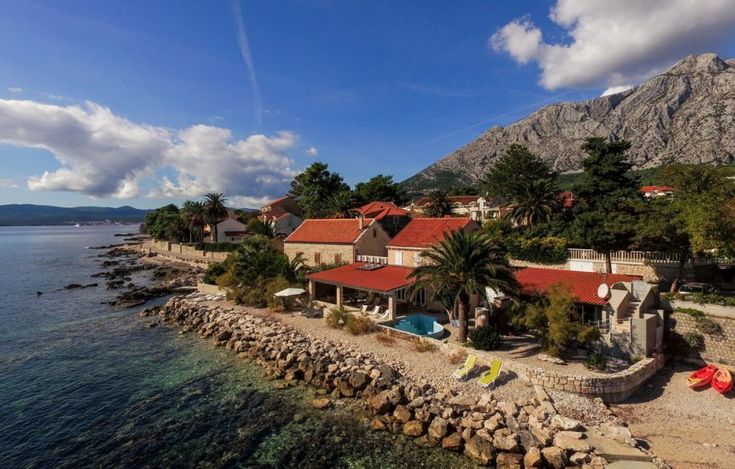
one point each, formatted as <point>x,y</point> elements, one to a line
<point>722,381</point>
<point>702,377</point>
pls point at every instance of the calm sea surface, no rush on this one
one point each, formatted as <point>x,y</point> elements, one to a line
<point>84,385</point>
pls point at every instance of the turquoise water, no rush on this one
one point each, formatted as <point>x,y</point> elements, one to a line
<point>83,385</point>
<point>419,324</point>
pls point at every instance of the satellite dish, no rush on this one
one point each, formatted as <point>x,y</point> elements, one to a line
<point>603,291</point>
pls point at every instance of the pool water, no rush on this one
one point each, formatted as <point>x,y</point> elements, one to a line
<point>420,324</point>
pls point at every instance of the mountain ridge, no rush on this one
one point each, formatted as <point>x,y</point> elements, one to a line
<point>38,215</point>
<point>686,114</point>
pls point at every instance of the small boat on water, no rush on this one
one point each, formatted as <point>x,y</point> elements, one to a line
<point>722,381</point>
<point>701,377</point>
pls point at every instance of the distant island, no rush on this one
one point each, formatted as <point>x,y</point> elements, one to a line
<point>36,215</point>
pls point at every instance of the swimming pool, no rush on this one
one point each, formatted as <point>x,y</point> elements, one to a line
<point>420,324</point>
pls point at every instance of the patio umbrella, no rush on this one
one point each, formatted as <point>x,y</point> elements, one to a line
<point>290,292</point>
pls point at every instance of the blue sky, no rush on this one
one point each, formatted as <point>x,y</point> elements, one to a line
<point>178,89</point>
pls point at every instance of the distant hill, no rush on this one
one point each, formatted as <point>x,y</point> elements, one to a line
<point>684,115</point>
<point>34,215</point>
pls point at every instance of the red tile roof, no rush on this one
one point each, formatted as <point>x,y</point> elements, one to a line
<point>453,199</point>
<point>647,189</point>
<point>385,279</point>
<point>425,232</point>
<point>379,210</point>
<point>277,201</point>
<point>583,284</point>
<point>328,231</point>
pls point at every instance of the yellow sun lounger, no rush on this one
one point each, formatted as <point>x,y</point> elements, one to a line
<point>487,378</point>
<point>464,370</point>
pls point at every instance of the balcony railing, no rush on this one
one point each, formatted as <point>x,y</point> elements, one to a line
<point>372,259</point>
<point>638,257</point>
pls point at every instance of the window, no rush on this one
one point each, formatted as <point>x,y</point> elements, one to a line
<point>338,258</point>
<point>421,297</point>
<point>375,233</point>
<point>399,258</point>
<point>318,258</point>
<point>417,259</point>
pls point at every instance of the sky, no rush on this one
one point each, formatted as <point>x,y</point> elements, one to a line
<point>147,102</point>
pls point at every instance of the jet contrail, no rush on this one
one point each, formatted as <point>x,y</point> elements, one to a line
<point>500,116</point>
<point>247,57</point>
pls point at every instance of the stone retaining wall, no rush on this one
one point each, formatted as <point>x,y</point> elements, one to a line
<point>613,387</point>
<point>718,347</point>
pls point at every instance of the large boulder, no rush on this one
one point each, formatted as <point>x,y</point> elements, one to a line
<point>554,457</point>
<point>480,450</point>
<point>533,458</point>
<point>453,442</point>
<point>509,461</point>
<point>413,428</point>
<point>438,427</point>
<point>560,422</point>
<point>402,414</point>
<point>571,445</point>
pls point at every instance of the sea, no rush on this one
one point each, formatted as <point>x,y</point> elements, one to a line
<point>86,385</point>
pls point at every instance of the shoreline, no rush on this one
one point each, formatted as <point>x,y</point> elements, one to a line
<point>509,432</point>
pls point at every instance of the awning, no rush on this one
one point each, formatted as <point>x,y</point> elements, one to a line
<point>290,292</point>
<point>364,276</point>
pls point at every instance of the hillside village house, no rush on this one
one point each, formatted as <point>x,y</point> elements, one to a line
<point>475,207</point>
<point>656,191</point>
<point>420,234</point>
<point>336,240</point>
<point>284,213</point>
<point>391,217</point>
<point>229,230</point>
<point>371,282</point>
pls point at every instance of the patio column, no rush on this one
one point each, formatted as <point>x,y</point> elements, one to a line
<point>392,306</point>
<point>312,290</point>
<point>340,296</point>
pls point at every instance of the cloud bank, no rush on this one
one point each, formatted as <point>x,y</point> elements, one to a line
<point>102,154</point>
<point>614,43</point>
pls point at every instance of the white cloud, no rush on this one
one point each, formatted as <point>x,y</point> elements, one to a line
<point>312,151</point>
<point>616,90</point>
<point>613,43</point>
<point>104,154</point>
<point>7,184</point>
<point>15,89</point>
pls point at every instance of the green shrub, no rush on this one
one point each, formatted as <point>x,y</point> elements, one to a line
<point>213,272</point>
<point>711,298</point>
<point>707,326</point>
<point>595,361</point>
<point>271,288</point>
<point>485,338</point>
<point>695,313</point>
<point>359,325</point>
<point>542,249</point>
<point>694,340</point>
<point>337,318</point>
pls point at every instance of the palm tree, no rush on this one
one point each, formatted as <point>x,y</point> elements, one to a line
<point>438,204</point>
<point>464,263</point>
<point>192,213</point>
<point>214,210</point>
<point>340,205</point>
<point>265,228</point>
<point>534,203</point>
<point>297,268</point>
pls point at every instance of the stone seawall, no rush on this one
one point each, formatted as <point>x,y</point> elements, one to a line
<point>527,433</point>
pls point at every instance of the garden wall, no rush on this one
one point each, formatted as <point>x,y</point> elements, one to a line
<point>613,387</point>
<point>717,347</point>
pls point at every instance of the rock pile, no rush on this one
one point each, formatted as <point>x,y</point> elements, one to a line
<point>524,433</point>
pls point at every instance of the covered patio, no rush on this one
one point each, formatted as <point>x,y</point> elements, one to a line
<point>360,284</point>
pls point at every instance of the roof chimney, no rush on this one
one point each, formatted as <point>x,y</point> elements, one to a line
<point>361,221</point>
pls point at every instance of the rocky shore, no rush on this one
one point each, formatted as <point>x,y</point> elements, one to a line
<point>508,434</point>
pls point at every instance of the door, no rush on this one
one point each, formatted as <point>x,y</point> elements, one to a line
<point>399,258</point>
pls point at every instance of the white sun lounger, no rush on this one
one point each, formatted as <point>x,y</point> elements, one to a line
<point>375,311</point>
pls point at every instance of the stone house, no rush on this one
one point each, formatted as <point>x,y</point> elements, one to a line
<point>284,213</point>
<point>336,240</point>
<point>391,217</point>
<point>420,234</point>
<point>231,230</point>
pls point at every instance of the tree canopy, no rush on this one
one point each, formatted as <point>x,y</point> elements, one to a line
<point>380,188</point>
<point>315,186</point>
<point>606,199</point>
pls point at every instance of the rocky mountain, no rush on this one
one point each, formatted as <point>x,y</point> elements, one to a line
<point>686,114</point>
